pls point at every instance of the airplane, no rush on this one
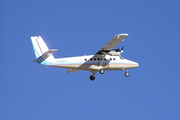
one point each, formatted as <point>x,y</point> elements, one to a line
<point>106,59</point>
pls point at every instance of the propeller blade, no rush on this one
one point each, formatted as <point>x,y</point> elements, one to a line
<point>122,47</point>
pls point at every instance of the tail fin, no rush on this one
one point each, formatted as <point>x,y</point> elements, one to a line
<point>42,52</point>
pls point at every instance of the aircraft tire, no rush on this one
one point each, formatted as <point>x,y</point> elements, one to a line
<point>102,71</point>
<point>127,74</point>
<point>92,78</point>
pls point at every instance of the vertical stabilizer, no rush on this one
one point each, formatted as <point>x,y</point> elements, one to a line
<point>39,46</point>
<point>42,52</point>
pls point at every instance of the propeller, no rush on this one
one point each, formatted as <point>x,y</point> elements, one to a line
<point>120,50</point>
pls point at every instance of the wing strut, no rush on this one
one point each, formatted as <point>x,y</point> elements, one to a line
<point>102,60</point>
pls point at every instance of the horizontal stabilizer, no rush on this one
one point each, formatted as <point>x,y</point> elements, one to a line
<point>72,70</point>
<point>45,55</point>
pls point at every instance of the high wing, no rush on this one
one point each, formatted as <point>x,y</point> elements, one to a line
<point>112,43</point>
<point>107,48</point>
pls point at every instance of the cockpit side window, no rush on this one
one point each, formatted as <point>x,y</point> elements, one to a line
<point>121,57</point>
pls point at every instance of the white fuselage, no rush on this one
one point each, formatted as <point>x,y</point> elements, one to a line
<point>91,63</point>
<point>107,58</point>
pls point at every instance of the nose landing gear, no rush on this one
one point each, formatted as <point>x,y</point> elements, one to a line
<point>127,74</point>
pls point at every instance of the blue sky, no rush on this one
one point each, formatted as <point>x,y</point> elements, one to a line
<point>29,91</point>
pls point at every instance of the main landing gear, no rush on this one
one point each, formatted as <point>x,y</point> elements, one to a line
<point>92,77</point>
<point>102,71</point>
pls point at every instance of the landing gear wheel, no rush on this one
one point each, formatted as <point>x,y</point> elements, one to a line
<point>127,74</point>
<point>102,71</point>
<point>92,78</point>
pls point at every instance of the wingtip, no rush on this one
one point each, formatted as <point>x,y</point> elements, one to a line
<point>123,34</point>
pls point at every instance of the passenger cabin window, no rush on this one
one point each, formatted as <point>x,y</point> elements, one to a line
<point>91,59</point>
<point>94,59</point>
<point>114,58</point>
<point>85,59</point>
<point>110,58</point>
<point>98,59</point>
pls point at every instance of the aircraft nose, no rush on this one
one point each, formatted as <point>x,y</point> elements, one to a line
<point>132,64</point>
<point>135,64</point>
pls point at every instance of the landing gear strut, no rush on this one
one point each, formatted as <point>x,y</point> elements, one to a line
<point>92,77</point>
<point>127,73</point>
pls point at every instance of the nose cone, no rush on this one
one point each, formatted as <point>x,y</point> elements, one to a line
<point>136,64</point>
<point>133,64</point>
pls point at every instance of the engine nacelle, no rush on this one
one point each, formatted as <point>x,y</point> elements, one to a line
<point>114,53</point>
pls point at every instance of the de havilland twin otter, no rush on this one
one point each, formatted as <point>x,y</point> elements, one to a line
<point>106,59</point>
